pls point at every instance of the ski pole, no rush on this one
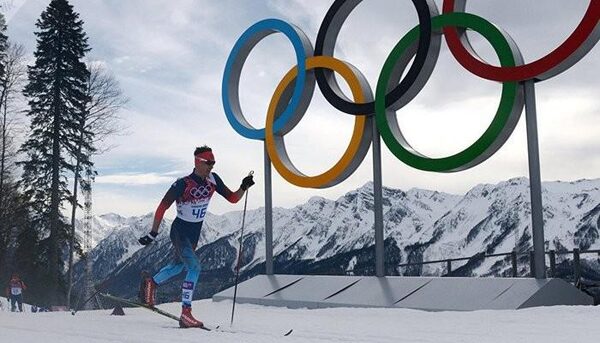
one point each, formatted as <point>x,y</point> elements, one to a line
<point>98,290</point>
<point>85,302</point>
<point>239,259</point>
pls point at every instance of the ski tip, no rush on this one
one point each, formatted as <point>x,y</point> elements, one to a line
<point>288,333</point>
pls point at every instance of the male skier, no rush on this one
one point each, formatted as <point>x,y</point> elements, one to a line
<point>192,194</point>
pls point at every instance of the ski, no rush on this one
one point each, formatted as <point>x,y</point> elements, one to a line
<point>151,308</point>
<point>154,309</point>
<point>218,328</point>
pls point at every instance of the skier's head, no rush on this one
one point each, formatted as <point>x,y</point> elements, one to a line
<point>204,160</point>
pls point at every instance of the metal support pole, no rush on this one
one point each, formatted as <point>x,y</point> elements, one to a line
<point>532,263</point>
<point>535,182</point>
<point>378,205</point>
<point>449,267</point>
<point>268,216</point>
<point>513,259</point>
<point>576,266</point>
<point>552,256</point>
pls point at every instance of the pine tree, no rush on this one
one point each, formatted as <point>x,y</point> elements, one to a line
<point>3,229</point>
<point>3,43</point>
<point>56,93</point>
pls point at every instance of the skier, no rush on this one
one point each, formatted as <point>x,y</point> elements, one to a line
<point>192,194</point>
<point>14,291</point>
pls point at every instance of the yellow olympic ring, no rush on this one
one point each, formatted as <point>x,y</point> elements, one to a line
<point>361,135</point>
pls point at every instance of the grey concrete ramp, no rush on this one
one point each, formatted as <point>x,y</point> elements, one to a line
<point>557,292</point>
<point>310,291</point>
<point>258,287</point>
<point>424,293</point>
<point>377,292</point>
<point>458,294</point>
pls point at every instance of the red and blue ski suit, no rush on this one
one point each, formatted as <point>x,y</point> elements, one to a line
<point>192,195</point>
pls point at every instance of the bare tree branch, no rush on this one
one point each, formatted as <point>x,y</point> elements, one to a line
<point>106,100</point>
<point>11,106</point>
<point>11,102</point>
<point>100,118</point>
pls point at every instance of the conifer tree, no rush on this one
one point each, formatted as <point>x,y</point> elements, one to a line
<point>3,43</point>
<point>3,229</point>
<point>56,93</point>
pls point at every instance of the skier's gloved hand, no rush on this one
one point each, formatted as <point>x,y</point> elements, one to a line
<point>149,238</point>
<point>247,182</point>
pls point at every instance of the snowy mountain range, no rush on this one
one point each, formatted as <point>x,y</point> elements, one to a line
<point>325,236</point>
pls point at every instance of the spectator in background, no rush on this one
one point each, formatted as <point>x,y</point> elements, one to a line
<point>14,291</point>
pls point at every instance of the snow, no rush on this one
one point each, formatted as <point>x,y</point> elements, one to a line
<point>490,217</point>
<point>261,324</point>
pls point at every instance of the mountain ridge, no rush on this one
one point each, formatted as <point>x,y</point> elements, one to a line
<point>336,236</point>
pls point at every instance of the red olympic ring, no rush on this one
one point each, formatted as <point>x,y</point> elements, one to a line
<point>581,40</point>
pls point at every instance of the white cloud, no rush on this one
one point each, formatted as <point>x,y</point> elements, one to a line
<point>139,179</point>
<point>10,8</point>
<point>169,57</point>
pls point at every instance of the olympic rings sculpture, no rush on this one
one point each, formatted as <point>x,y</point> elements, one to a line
<point>421,45</point>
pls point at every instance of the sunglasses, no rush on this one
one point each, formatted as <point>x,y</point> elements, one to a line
<point>207,162</point>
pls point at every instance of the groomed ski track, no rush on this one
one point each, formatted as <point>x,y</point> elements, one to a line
<point>260,324</point>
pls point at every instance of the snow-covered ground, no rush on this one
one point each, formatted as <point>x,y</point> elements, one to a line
<point>260,324</point>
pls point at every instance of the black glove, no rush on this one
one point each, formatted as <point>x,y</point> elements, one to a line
<point>149,238</point>
<point>247,182</point>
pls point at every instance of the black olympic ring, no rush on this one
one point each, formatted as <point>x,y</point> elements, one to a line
<point>416,77</point>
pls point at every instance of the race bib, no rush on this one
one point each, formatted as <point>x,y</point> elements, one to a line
<point>192,212</point>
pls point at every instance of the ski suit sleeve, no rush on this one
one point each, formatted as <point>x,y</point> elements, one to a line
<point>172,194</point>
<point>225,192</point>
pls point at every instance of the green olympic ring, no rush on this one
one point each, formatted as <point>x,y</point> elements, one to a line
<point>501,127</point>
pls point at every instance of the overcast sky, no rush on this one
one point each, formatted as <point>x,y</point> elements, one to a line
<point>169,58</point>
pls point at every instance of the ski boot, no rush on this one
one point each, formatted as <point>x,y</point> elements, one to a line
<point>187,320</point>
<point>148,291</point>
